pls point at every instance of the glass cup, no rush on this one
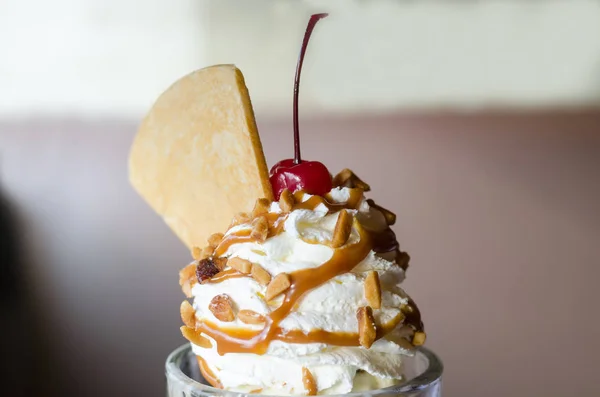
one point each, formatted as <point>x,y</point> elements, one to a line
<point>423,374</point>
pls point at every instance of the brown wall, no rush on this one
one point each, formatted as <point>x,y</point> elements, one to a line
<point>501,214</point>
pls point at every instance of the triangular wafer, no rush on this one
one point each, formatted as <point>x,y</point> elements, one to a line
<point>197,158</point>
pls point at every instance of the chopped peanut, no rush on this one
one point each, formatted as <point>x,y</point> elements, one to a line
<point>221,307</point>
<point>279,284</point>
<point>343,228</point>
<point>372,290</point>
<point>367,331</point>
<point>260,274</point>
<point>241,265</point>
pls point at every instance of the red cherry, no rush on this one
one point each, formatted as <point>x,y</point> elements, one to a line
<point>309,176</point>
<point>296,174</point>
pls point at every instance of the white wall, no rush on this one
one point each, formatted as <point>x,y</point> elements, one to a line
<point>115,56</point>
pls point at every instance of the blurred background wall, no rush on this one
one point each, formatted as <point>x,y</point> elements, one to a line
<point>478,121</point>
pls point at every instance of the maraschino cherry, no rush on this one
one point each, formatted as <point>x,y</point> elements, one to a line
<point>297,174</point>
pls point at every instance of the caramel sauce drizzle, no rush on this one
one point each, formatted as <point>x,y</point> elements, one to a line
<point>275,221</point>
<point>224,275</point>
<point>344,259</point>
<point>208,375</point>
<point>232,336</point>
<point>314,201</point>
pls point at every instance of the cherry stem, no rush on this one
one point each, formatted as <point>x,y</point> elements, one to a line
<point>309,28</point>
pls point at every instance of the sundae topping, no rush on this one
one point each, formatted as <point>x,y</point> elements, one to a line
<point>298,283</point>
<point>309,382</point>
<point>221,307</point>
<point>373,290</point>
<point>208,267</point>
<point>367,330</point>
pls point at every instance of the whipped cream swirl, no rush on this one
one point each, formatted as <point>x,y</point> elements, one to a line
<point>331,307</point>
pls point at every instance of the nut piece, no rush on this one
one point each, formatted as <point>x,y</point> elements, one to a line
<point>419,338</point>
<point>188,314</point>
<point>220,263</point>
<point>241,265</point>
<point>251,317</point>
<point>260,229</point>
<point>221,307</point>
<point>367,332</point>
<point>194,336</point>
<point>187,279</point>
<point>372,289</point>
<point>261,207</point>
<point>279,284</point>
<point>343,228</point>
<point>309,382</point>
<point>215,239</point>
<point>390,217</point>
<point>286,200</point>
<point>260,274</point>
<point>347,178</point>
<point>196,253</point>
<point>240,218</point>
<point>207,252</point>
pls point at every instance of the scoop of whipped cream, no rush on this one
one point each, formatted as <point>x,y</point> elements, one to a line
<point>331,307</point>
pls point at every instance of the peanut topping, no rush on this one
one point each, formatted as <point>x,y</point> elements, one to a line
<point>309,382</point>
<point>343,228</point>
<point>347,178</point>
<point>187,279</point>
<point>194,336</point>
<point>251,317</point>
<point>188,314</point>
<point>279,284</point>
<point>367,331</point>
<point>261,207</point>
<point>390,217</point>
<point>220,263</point>
<point>207,252</point>
<point>241,265</point>
<point>372,290</point>
<point>260,229</point>
<point>240,218</point>
<point>215,239</point>
<point>196,253</point>
<point>419,338</point>
<point>221,306</point>
<point>260,274</point>
<point>286,201</point>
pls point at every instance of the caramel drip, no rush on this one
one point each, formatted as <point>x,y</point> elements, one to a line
<point>314,201</point>
<point>224,275</point>
<point>233,336</point>
<point>343,260</point>
<point>309,383</point>
<point>275,221</point>
<point>243,236</point>
<point>208,375</point>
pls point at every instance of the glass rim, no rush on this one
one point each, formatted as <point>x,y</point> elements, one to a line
<point>432,374</point>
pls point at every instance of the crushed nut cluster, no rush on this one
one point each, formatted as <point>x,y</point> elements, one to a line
<point>342,230</point>
<point>367,330</point>
<point>347,178</point>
